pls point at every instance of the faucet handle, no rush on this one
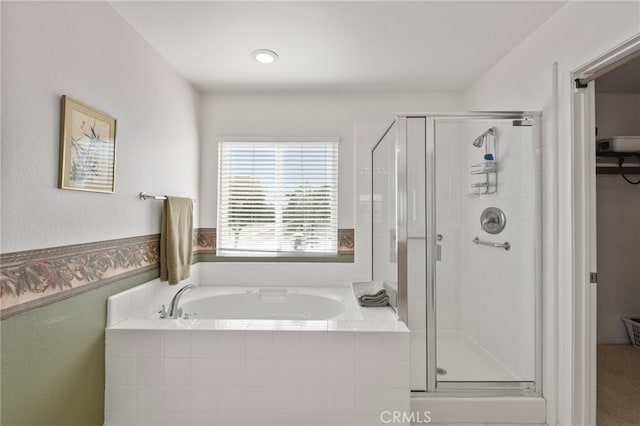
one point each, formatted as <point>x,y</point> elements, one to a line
<point>189,315</point>
<point>163,312</point>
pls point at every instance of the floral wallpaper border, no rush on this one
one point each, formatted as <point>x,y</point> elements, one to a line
<point>35,278</point>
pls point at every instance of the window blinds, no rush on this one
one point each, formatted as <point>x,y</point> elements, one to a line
<point>277,198</point>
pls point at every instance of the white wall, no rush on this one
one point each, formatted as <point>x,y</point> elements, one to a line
<point>618,209</point>
<point>87,51</point>
<point>359,119</point>
<point>617,114</point>
<point>526,79</point>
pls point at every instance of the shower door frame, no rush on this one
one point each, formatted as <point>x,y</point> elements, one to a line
<point>470,388</point>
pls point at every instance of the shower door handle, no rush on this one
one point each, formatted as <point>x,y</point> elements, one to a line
<point>438,253</point>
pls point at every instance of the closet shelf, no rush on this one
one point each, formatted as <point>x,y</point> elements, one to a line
<point>621,157</point>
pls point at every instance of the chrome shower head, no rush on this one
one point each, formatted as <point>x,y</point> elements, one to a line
<point>479,141</point>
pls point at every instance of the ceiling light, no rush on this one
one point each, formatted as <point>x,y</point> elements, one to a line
<point>265,56</point>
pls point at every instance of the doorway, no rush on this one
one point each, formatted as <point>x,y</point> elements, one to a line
<point>617,120</point>
<point>606,138</point>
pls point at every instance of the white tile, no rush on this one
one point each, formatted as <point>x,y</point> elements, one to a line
<point>204,419</point>
<point>177,419</point>
<point>140,301</point>
<point>287,420</point>
<point>313,345</point>
<point>286,344</point>
<point>149,419</point>
<point>204,344</point>
<point>237,325</point>
<point>259,420</point>
<point>231,344</point>
<point>286,400</point>
<point>341,345</point>
<point>259,400</point>
<point>235,420</point>
<point>369,346</point>
<point>231,372</point>
<point>204,399</point>
<point>396,400</point>
<point>368,401</point>
<point>177,399</point>
<point>122,371</point>
<point>177,344</point>
<point>149,344</point>
<point>122,419</point>
<point>204,372</point>
<point>341,401</point>
<point>286,373</point>
<point>259,344</point>
<point>122,398</point>
<point>395,346</point>
<point>177,371</point>
<point>314,325</point>
<point>341,420</point>
<point>369,373</point>
<point>259,372</point>
<point>395,374</point>
<point>149,399</point>
<point>313,373</point>
<point>371,421</point>
<point>313,420</point>
<point>313,401</point>
<point>341,373</point>
<point>122,343</point>
<point>231,401</point>
<point>119,308</point>
<point>149,371</point>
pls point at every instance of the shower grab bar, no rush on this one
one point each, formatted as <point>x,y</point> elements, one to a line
<point>143,196</point>
<point>504,245</point>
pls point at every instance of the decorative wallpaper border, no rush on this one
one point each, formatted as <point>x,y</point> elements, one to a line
<point>34,278</point>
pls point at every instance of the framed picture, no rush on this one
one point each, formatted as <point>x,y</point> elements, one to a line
<point>87,148</point>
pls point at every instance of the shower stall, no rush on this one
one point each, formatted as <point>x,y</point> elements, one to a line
<point>456,227</point>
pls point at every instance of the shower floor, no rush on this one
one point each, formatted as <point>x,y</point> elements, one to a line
<point>464,360</point>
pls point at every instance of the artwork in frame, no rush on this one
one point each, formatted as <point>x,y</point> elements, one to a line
<point>87,148</point>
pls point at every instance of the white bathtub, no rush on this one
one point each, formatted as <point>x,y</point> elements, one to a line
<point>264,303</point>
<point>290,303</point>
<point>295,355</point>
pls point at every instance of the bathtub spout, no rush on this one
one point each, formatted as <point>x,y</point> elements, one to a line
<point>175,311</point>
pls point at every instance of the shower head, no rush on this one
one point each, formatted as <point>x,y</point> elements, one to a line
<point>480,139</point>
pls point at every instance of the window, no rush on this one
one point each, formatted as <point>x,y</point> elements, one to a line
<point>277,197</point>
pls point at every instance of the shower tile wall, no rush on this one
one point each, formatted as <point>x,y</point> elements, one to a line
<point>224,377</point>
<point>496,286</point>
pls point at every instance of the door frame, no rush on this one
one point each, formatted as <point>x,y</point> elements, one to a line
<point>577,235</point>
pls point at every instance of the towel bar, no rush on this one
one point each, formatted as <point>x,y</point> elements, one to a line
<point>144,196</point>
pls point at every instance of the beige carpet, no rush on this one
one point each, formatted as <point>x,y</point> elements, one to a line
<point>618,386</point>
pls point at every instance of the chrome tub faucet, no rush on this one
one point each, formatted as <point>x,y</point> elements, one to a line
<point>175,311</point>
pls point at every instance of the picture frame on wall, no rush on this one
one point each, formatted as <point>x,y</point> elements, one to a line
<point>87,148</point>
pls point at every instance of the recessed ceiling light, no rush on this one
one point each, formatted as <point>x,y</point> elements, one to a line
<point>265,56</point>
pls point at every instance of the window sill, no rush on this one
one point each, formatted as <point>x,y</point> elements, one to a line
<point>212,257</point>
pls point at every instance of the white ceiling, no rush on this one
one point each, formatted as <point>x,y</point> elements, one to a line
<point>335,45</point>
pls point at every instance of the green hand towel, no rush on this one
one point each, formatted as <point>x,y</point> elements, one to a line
<point>176,234</point>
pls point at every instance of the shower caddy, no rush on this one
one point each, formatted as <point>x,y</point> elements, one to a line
<point>489,167</point>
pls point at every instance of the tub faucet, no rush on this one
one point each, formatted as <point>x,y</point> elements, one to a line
<point>175,311</point>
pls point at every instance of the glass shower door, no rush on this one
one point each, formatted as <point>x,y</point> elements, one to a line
<point>486,241</point>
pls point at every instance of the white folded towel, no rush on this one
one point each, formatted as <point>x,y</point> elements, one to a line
<point>370,293</point>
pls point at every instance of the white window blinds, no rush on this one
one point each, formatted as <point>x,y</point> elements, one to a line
<point>277,197</point>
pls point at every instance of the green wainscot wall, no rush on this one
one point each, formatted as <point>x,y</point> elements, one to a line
<point>53,366</point>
